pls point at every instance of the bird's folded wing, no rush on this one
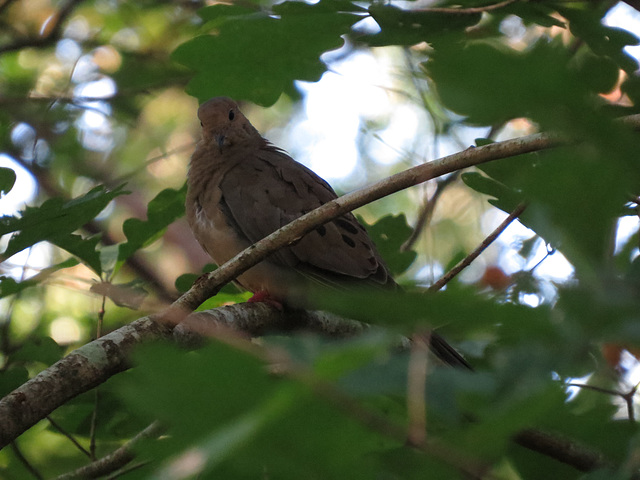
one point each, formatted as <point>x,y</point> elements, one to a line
<point>270,177</point>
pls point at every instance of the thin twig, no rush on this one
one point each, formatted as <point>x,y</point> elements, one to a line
<point>96,400</point>
<point>595,388</point>
<point>94,423</point>
<point>424,218</point>
<point>32,470</point>
<point>550,251</point>
<point>71,438</point>
<point>465,262</point>
<point>626,396</point>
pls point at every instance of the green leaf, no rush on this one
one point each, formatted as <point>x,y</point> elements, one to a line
<point>225,441</point>
<point>7,179</point>
<point>163,210</point>
<point>411,310</point>
<point>599,73</point>
<point>83,248</point>
<point>406,27</point>
<point>12,378</point>
<point>109,258</point>
<point>185,281</point>
<point>409,464</point>
<point>531,82</point>
<point>529,400</point>
<point>335,361</point>
<point>631,87</point>
<point>196,376</point>
<point>9,286</point>
<point>237,61</point>
<point>241,420</point>
<point>223,11</point>
<point>55,219</point>
<point>389,234</point>
<point>40,349</point>
<point>603,40</point>
<point>503,197</point>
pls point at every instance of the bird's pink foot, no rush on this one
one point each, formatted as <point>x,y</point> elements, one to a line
<point>263,296</point>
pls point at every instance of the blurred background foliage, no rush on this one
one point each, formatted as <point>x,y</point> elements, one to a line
<point>97,123</point>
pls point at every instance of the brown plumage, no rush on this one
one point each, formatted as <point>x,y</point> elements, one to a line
<point>241,188</point>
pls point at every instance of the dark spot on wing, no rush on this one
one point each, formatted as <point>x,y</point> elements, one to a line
<point>322,231</point>
<point>346,225</point>
<point>349,241</point>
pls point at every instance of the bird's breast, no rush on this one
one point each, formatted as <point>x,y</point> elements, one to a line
<point>211,228</point>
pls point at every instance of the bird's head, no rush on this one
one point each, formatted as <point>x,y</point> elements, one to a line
<point>224,124</point>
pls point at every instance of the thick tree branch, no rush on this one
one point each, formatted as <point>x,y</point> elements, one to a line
<point>78,372</point>
<point>256,319</point>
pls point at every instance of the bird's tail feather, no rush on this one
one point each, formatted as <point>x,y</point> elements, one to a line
<point>447,353</point>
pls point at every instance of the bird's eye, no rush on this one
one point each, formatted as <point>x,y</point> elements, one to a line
<point>232,115</point>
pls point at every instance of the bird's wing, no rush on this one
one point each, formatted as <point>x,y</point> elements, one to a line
<point>269,189</point>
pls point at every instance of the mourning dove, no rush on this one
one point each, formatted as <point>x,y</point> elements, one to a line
<point>241,188</point>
